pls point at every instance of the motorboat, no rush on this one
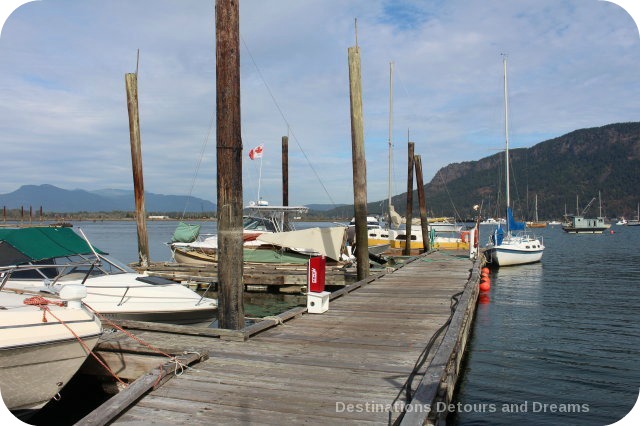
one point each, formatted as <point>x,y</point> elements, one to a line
<point>53,258</point>
<point>189,247</point>
<point>578,224</point>
<point>43,343</point>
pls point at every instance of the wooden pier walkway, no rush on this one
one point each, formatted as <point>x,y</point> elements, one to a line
<point>349,365</point>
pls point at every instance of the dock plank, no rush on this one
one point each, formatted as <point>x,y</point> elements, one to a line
<point>347,365</point>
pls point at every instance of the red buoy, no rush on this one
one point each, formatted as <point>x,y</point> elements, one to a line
<point>485,286</point>
<point>485,270</point>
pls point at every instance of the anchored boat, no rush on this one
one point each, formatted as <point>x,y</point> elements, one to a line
<point>43,343</point>
<point>48,259</point>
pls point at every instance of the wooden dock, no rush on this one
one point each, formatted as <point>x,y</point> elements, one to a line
<point>350,365</point>
<point>285,278</point>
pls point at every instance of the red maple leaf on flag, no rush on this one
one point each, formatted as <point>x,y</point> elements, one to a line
<point>256,152</point>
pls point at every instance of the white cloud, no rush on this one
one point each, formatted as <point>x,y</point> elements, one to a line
<point>573,64</point>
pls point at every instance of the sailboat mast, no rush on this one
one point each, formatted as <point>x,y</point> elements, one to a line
<point>506,129</point>
<point>390,140</point>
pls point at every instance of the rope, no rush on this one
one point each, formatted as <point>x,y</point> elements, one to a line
<point>284,118</point>
<point>43,304</point>
<point>275,318</point>
<point>137,339</point>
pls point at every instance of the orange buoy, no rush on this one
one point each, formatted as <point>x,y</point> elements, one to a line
<point>485,270</point>
<point>485,286</point>
<point>483,299</point>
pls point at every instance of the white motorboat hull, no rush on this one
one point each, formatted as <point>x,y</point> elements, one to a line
<point>31,375</point>
<point>38,353</point>
<point>123,296</point>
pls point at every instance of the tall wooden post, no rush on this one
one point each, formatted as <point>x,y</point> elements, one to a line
<point>409,215</point>
<point>359,164</point>
<point>41,217</point>
<point>285,175</point>
<point>30,214</point>
<point>229,162</point>
<point>131,81</point>
<point>285,170</point>
<point>424,222</point>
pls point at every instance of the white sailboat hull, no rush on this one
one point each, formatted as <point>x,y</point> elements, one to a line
<point>514,253</point>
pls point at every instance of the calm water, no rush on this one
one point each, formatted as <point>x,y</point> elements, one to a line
<point>562,332</point>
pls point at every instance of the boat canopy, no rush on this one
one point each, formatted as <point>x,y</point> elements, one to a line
<point>21,245</point>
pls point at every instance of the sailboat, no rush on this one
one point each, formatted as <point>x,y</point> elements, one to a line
<point>511,245</point>
<point>536,222</point>
<point>636,221</point>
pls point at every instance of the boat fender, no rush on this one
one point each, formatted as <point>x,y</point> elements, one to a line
<point>464,236</point>
<point>476,237</point>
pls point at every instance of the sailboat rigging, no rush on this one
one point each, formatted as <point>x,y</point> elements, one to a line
<point>512,245</point>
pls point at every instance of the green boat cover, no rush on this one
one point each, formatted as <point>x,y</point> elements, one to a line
<point>41,243</point>
<point>185,233</point>
<point>261,255</point>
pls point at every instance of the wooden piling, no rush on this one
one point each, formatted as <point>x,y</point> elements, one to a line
<point>229,163</point>
<point>424,222</point>
<point>359,164</point>
<point>285,170</point>
<point>131,82</point>
<point>409,215</point>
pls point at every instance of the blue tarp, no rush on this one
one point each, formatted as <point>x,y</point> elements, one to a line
<point>513,225</point>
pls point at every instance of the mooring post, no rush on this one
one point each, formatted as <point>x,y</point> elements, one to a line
<point>285,170</point>
<point>229,163</point>
<point>409,215</point>
<point>424,222</point>
<point>359,164</point>
<point>131,82</point>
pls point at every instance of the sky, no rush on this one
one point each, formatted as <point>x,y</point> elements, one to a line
<point>572,64</point>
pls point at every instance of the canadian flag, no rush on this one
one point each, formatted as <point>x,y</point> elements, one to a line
<point>256,152</point>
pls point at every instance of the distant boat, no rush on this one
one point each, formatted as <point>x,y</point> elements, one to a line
<point>554,223</point>
<point>512,245</point>
<point>536,222</point>
<point>622,221</point>
<point>578,224</point>
<point>636,221</point>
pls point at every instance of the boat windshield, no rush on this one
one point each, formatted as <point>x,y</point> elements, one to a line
<point>71,267</point>
<point>251,223</point>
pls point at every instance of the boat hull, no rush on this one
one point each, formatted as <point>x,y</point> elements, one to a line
<point>31,375</point>
<point>570,230</point>
<point>510,256</point>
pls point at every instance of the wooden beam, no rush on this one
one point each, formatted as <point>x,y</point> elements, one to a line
<point>285,171</point>
<point>424,221</point>
<point>229,162</point>
<point>409,215</point>
<point>152,380</point>
<point>359,164</point>
<point>131,81</point>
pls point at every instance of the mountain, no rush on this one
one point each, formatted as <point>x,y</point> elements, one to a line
<point>323,207</point>
<point>580,163</point>
<point>54,199</point>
